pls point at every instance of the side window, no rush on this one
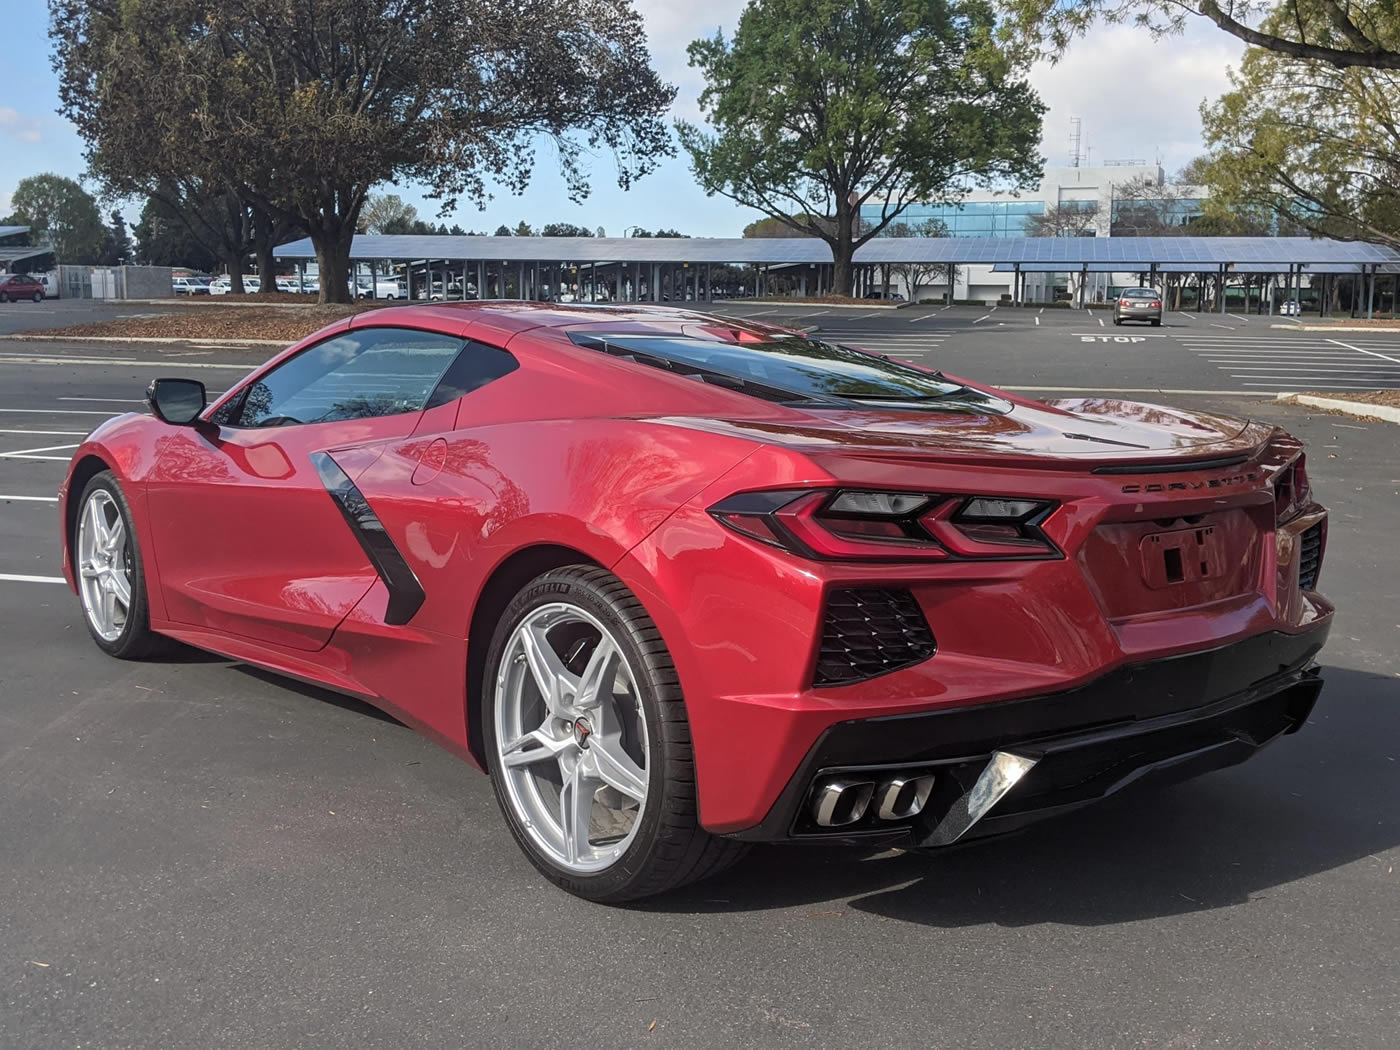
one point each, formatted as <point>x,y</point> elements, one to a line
<point>361,374</point>
<point>477,365</point>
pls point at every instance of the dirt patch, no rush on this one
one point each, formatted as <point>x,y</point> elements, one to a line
<point>1369,397</point>
<point>276,322</point>
<point>827,300</point>
<point>1383,323</point>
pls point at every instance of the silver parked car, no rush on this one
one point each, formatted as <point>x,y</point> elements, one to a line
<point>1138,304</point>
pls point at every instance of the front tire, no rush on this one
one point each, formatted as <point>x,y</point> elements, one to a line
<point>588,744</point>
<point>110,573</point>
<point>4,297</point>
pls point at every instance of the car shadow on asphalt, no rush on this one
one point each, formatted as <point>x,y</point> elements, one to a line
<point>315,692</point>
<point>1325,797</point>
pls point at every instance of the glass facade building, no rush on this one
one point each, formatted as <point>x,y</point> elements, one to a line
<point>970,218</point>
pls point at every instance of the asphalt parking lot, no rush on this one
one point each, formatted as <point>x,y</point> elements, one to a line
<point>194,853</point>
<point>51,313</point>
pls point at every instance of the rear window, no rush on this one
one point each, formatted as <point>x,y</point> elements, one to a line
<point>788,369</point>
<point>1139,293</point>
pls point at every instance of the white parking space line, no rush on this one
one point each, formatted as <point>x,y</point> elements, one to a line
<point>981,319</point>
<point>19,578</point>
<point>1101,324</point>
<point>31,451</point>
<point>59,411</point>
<point>1229,326</point>
<point>108,400</point>
<point>1360,351</point>
<point>29,499</point>
<point>48,433</point>
<point>1183,313</point>
<point>1037,320</point>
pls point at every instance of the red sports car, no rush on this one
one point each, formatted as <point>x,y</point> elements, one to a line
<point>680,583</point>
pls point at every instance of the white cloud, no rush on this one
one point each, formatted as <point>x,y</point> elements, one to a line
<point>13,124</point>
<point>671,26</point>
<point>1138,98</point>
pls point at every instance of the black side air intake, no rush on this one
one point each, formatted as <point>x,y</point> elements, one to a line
<point>870,631</point>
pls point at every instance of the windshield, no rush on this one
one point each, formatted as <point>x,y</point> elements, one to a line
<point>805,369</point>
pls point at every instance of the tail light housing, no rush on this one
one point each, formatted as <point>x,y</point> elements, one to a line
<point>1292,490</point>
<point>862,525</point>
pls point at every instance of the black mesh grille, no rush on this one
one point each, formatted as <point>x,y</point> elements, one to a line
<point>869,631</point>
<point>1310,558</point>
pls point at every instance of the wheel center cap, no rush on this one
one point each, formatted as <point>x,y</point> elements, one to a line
<point>582,731</point>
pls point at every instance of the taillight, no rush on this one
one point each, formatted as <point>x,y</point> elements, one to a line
<point>1292,490</point>
<point>856,525</point>
<point>1125,302</point>
<point>1157,305</point>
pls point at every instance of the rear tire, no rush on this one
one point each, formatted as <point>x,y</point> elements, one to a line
<point>4,297</point>
<point>649,845</point>
<point>38,297</point>
<point>107,564</point>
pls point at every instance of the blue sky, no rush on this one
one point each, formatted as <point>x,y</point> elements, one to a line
<point>1137,98</point>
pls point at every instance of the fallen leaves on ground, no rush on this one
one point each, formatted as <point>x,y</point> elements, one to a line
<point>284,324</point>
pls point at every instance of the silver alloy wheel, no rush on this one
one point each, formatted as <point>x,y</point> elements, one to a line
<point>104,565</point>
<point>571,737</point>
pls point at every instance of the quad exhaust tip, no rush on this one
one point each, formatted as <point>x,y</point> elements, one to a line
<point>843,800</point>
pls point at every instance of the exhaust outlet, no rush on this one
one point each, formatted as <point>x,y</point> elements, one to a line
<point>841,801</point>
<point>904,796</point>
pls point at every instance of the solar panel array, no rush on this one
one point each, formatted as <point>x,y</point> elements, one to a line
<point>10,231</point>
<point>1039,253</point>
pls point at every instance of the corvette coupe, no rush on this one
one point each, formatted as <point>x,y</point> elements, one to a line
<point>681,583</point>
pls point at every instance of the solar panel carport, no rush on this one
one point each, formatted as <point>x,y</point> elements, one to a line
<point>1214,255</point>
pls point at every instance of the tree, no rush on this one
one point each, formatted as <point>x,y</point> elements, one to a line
<point>502,231</point>
<point>565,229</point>
<point>164,238</point>
<point>385,210</point>
<point>1313,144</point>
<point>1194,172</point>
<point>826,107</point>
<point>1067,219</point>
<point>783,227</point>
<point>61,209</point>
<point>303,105</point>
<point>116,245</point>
<point>1346,34</point>
<point>913,274</point>
<point>522,229</point>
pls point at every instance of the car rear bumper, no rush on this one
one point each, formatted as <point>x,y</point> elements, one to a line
<point>1164,719</point>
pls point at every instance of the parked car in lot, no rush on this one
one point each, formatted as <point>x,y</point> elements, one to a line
<point>191,285</point>
<point>17,286</point>
<point>1290,308</point>
<point>681,583</point>
<point>1138,304</point>
<point>224,285</point>
<point>380,288</point>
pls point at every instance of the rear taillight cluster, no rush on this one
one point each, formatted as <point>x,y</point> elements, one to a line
<point>858,525</point>
<point>1292,491</point>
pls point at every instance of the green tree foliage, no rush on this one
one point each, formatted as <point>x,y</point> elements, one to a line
<point>789,226</point>
<point>164,238</point>
<point>303,105</point>
<point>385,213</point>
<point>822,106</point>
<point>1342,33</point>
<point>522,229</point>
<point>1315,144</point>
<point>502,231</point>
<point>565,229</point>
<point>640,232</point>
<point>116,245</point>
<point>63,211</point>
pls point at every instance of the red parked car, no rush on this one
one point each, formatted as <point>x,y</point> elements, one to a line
<point>682,583</point>
<point>17,286</point>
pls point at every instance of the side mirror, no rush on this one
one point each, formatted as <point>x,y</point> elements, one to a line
<point>176,401</point>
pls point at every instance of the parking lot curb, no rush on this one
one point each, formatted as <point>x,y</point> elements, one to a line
<point>24,337</point>
<point>1336,327</point>
<point>1359,409</point>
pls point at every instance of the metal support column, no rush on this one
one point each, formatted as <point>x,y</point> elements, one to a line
<point>1083,282</point>
<point>1371,294</point>
<point>709,292</point>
